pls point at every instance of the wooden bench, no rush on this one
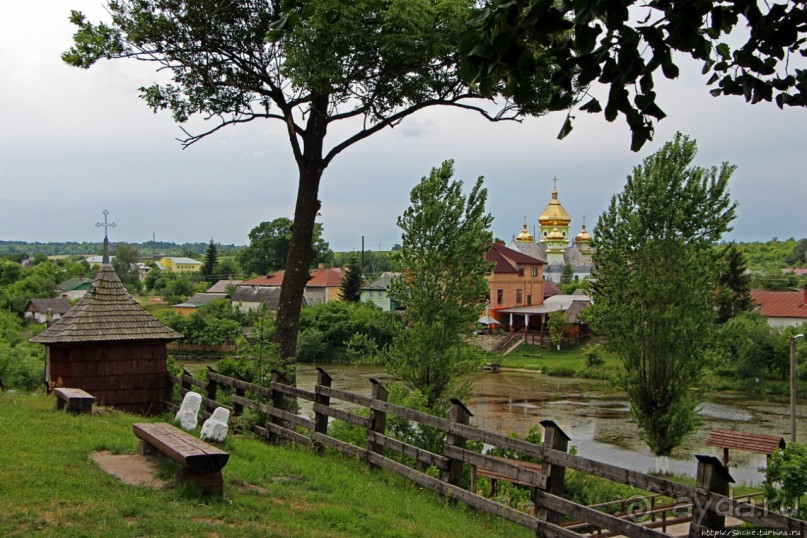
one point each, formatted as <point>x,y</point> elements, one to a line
<point>200,462</point>
<point>74,400</point>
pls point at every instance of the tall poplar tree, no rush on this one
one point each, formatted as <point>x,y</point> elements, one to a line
<point>444,238</point>
<point>210,263</point>
<point>655,276</point>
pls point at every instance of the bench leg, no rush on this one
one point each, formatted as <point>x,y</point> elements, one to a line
<point>211,483</point>
<point>59,403</point>
<point>145,449</point>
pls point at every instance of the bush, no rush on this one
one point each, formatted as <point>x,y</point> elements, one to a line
<point>787,479</point>
<point>312,346</point>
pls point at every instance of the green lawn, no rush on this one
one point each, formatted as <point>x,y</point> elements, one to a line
<point>50,487</point>
<point>569,359</point>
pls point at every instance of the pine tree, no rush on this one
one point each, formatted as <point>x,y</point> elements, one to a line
<point>208,269</point>
<point>734,286</point>
<point>352,282</point>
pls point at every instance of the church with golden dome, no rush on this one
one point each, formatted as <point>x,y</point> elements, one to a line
<point>554,245</point>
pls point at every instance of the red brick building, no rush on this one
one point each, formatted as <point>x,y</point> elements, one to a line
<point>517,279</point>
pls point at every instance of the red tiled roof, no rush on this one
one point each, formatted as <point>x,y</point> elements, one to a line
<point>550,289</point>
<point>781,304</point>
<point>275,279</point>
<point>327,278</point>
<point>507,260</point>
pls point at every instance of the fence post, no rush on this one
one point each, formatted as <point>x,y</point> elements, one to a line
<point>713,477</point>
<point>168,393</point>
<point>378,419</point>
<point>320,419</point>
<point>555,438</point>
<point>277,403</point>
<point>238,409</point>
<point>186,385</point>
<point>459,415</point>
<point>212,388</point>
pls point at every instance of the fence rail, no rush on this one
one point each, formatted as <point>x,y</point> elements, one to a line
<point>708,500</point>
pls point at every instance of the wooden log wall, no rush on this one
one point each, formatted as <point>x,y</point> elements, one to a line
<point>709,498</point>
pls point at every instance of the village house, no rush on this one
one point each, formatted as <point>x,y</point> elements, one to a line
<point>193,303</point>
<point>781,308</point>
<point>73,288</point>
<point>46,310</point>
<point>377,293</point>
<point>323,287</point>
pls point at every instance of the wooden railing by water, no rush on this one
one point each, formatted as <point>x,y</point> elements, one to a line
<point>709,499</point>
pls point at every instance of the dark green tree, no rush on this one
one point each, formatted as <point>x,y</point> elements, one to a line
<point>568,274</point>
<point>622,44</point>
<point>352,281</point>
<point>444,238</point>
<point>310,66</point>
<point>655,278</point>
<point>125,265</point>
<point>798,256</point>
<point>210,263</point>
<point>734,285</point>
<point>228,268</point>
<point>269,244</point>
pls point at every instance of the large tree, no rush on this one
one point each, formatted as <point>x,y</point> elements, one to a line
<point>352,281</point>
<point>444,238</point>
<point>622,44</point>
<point>655,279</point>
<point>210,263</point>
<point>365,64</point>
<point>733,294</point>
<point>269,244</point>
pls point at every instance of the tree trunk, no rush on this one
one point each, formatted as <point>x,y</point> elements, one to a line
<point>301,252</point>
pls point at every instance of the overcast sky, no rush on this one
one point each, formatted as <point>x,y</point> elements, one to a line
<point>76,142</point>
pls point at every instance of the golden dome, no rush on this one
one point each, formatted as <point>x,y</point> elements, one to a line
<point>525,236</point>
<point>555,235</point>
<point>554,214</point>
<point>583,236</point>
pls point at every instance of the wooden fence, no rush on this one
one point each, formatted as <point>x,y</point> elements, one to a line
<point>709,499</point>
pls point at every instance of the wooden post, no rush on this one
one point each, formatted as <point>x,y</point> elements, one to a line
<point>712,476</point>
<point>168,392</point>
<point>554,438</point>
<point>320,419</point>
<point>238,409</point>
<point>186,385</point>
<point>277,403</point>
<point>378,419</point>
<point>212,387</point>
<point>460,415</point>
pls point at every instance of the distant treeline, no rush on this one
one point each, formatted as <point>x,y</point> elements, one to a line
<point>773,254</point>
<point>72,248</point>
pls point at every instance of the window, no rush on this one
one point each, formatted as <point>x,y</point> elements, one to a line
<point>499,296</point>
<point>372,293</point>
<point>534,270</point>
<point>520,271</point>
<point>519,296</point>
<point>529,300</point>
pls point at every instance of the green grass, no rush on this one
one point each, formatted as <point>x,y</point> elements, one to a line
<point>50,487</point>
<point>570,358</point>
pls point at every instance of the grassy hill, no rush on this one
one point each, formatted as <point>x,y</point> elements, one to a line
<point>50,487</point>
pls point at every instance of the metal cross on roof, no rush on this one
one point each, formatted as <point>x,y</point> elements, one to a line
<point>105,224</point>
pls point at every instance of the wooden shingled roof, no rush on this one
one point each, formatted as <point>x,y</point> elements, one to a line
<point>751,442</point>
<point>107,313</point>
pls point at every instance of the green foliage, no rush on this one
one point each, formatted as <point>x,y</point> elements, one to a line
<point>22,364</point>
<point>210,265</point>
<point>769,255</point>
<point>593,354</point>
<point>734,285</point>
<point>178,287</point>
<point>257,353</point>
<point>655,277</point>
<point>269,244</point>
<point>787,480</point>
<point>444,238</point>
<point>798,256</point>
<point>352,281</point>
<point>214,324</point>
<point>622,44</point>
<point>124,263</point>
<point>343,330</point>
<point>37,282</point>
<point>555,322</point>
<point>567,275</point>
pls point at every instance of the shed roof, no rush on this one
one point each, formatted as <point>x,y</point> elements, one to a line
<point>274,279</point>
<point>221,286</point>
<point>751,442</point>
<point>107,313</point>
<point>201,299</point>
<point>75,283</point>
<point>56,306</point>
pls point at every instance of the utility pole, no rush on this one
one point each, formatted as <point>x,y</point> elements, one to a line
<point>793,386</point>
